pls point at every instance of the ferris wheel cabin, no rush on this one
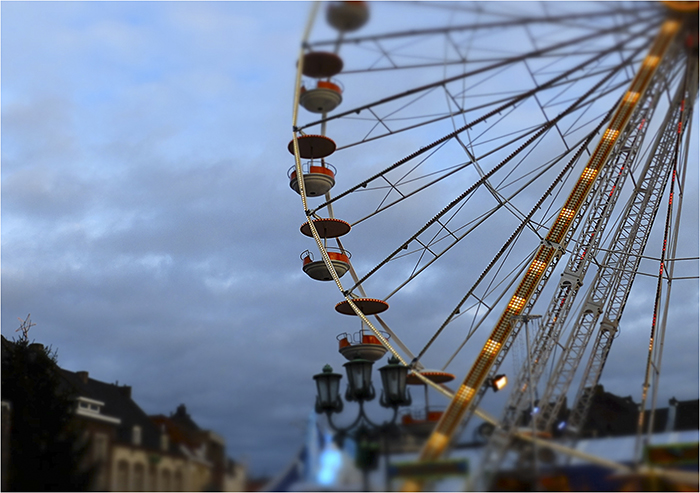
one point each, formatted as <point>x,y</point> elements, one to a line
<point>420,421</point>
<point>318,178</point>
<point>347,16</point>
<point>326,228</point>
<point>316,269</point>
<point>325,97</point>
<point>361,344</point>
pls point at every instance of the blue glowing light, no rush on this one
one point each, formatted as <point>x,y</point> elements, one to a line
<point>331,462</point>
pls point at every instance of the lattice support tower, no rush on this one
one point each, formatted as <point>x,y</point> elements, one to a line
<point>546,253</point>
<point>605,194</point>
<point>623,272</point>
<point>620,149</point>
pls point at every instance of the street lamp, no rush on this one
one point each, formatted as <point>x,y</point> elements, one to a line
<point>360,386</point>
<point>360,389</point>
<point>394,384</point>
<point>327,385</point>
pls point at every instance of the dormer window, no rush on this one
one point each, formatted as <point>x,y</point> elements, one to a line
<point>90,405</point>
<point>92,408</point>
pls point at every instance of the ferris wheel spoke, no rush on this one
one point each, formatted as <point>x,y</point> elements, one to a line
<point>439,63</point>
<point>443,174</point>
<point>481,220</point>
<point>509,243</point>
<point>497,65</point>
<point>447,172</point>
<point>545,127</point>
<point>611,90</point>
<point>510,279</point>
<point>484,117</point>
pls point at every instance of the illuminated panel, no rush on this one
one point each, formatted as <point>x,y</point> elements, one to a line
<point>439,441</point>
<point>567,214</point>
<point>464,393</point>
<point>611,135</point>
<point>631,97</point>
<point>589,174</point>
<point>445,428</point>
<point>491,347</point>
<point>651,61</point>
<point>537,267</point>
<point>516,304</point>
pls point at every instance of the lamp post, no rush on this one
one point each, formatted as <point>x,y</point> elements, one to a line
<point>360,389</point>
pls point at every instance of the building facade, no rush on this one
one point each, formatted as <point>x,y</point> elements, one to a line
<point>126,449</point>
<point>136,452</point>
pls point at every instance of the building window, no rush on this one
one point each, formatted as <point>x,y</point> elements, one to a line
<point>100,450</point>
<point>139,478</point>
<point>165,481</point>
<point>178,486</point>
<point>100,446</point>
<point>136,435</point>
<point>152,478</point>
<point>123,476</point>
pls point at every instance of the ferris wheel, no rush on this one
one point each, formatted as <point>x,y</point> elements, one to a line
<point>501,173</point>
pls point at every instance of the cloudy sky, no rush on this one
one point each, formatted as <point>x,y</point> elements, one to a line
<point>149,228</point>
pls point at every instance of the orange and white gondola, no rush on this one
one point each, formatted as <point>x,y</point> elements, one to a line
<point>316,269</point>
<point>362,344</point>
<point>324,97</point>
<point>421,421</point>
<point>318,179</point>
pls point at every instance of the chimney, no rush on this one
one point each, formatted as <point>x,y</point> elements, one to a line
<point>672,410</point>
<point>83,376</point>
<point>125,391</point>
